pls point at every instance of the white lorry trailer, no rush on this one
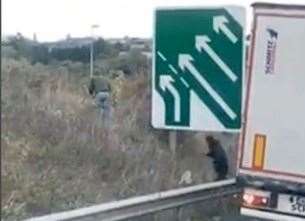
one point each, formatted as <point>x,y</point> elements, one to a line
<point>271,160</point>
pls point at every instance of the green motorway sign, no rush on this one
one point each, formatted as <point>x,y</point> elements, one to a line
<point>198,66</point>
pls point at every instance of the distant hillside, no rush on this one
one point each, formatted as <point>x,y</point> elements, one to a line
<point>74,49</point>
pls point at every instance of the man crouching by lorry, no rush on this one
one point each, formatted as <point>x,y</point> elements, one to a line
<point>218,154</point>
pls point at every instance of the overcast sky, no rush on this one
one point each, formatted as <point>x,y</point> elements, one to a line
<point>54,19</point>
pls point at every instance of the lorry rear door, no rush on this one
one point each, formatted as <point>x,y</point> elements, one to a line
<point>273,138</point>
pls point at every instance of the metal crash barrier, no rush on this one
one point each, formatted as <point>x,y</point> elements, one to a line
<point>148,204</point>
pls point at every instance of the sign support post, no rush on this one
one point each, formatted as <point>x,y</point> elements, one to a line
<point>173,141</point>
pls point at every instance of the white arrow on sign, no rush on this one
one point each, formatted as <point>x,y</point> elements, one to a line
<point>219,24</point>
<point>185,62</point>
<point>166,83</point>
<point>202,42</point>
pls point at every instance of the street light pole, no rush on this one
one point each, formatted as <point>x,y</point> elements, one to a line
<point>91,59</point>
<point>92,50</point>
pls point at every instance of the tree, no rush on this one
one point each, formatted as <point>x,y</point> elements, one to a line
<point>134,62</point>
<point>103,49</point>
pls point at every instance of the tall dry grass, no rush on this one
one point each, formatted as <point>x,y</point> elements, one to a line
<point>54,157</point>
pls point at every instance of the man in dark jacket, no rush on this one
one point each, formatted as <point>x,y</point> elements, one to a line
<point>100,89</point>
<point>98,84</point>
<point>218,154</point>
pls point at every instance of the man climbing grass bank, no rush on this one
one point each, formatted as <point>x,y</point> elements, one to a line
<point>218,154</point>
<point>100,89</point>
